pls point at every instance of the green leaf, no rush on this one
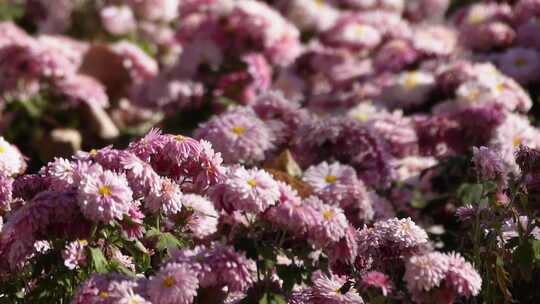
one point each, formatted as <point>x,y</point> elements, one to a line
<point>418,201</point>
<point>9,11</point>
<point>536,250</point>
<point>99,262</point>
<point>470,193</point>
<point>167,241</point>
<point>272,298</point>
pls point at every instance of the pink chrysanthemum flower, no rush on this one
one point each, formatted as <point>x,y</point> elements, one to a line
<point>522,64</point>
<point>97,288</point>
<point>167,198</point>
<point>402,232</point>
<point>488,163</point>
<point>252,190</point>
<point>462,277</point>
<point>346,250</point>
<point>219,265</point>
<point>410,88</point>
<point>335,183</point>
<point>152,143</point>
<point>60,173</point>
<point>379,280</point>
<point>291,213</point>
<point>311,15</point>
<point>425,272</point>
<point>327,290</point>
<point>239,135</point>
<point>11,160</point>
<point>140,65</point>
<point>173,284</point>
<point>332,225</point>
<point>181,148</point>
<point>203,220</point>
<point>350,32</point>
<point>104,195</point>
<point>118,20</point>
<point>81,89</point>
<point>74,254</point>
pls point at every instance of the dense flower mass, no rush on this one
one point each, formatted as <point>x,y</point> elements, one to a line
<point>269,151</point>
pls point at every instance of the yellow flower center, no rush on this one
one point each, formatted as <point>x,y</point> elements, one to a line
<point>103,294</point>
<point>105,190</point>
<point>319,3</point>
<point>2,149</point>
<point>168,281</point>
<point>519,61</point>
<point>83,242</point>
<point>360,30</point>
<point>92,152</point>
<point>362,117</point>
<point>179,137</point>
<point>500,87</point>
<point>328,214</point>
<point>252,182</point>
<point>330,179</point>
<point>517,141</point>
<point>475,17</point>
<point>411,81</point>
<point>238,130</point>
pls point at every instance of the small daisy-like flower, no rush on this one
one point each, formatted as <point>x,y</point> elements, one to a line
<point>168,198</point>
<point>104,195</point>
<point>250,190</point>
<point>425,272</point>
<point>239,135</point>
<point>173,284</point>
<point>11,160</point>
<point>74,254</point>
<point>335,183</point>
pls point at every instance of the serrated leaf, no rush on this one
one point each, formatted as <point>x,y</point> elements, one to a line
<point>99,262</point>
